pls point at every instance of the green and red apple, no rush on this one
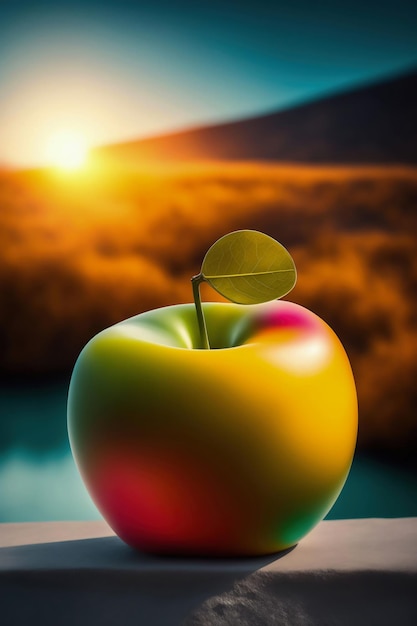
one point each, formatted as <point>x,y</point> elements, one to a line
<point>237,450</point>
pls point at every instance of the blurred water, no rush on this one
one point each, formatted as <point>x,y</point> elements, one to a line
<point>39,481</point>
<point>38,477</point>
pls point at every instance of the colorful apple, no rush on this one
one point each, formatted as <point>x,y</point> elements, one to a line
<point>237,450</point>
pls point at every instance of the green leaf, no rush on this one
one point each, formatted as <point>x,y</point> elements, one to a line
<point>249,267</point>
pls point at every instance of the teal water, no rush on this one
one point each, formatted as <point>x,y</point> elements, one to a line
<point>39,481</point>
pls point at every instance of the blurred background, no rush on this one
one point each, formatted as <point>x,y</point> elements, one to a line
<point>133,135</point>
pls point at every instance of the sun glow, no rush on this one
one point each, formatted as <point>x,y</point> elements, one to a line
<point>67,150</point>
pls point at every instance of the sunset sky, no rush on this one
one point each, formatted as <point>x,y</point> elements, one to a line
<point>109,71</point>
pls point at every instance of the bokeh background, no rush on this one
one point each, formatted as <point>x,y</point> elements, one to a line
<point>133,135</point>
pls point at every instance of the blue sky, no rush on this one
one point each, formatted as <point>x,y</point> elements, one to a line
<point>121,70</point>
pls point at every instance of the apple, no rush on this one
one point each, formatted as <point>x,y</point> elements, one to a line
<point>237,450</point>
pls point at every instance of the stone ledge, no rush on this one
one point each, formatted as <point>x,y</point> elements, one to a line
<point>359,572</point>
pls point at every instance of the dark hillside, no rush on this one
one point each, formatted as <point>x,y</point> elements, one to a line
<point>372,124</point>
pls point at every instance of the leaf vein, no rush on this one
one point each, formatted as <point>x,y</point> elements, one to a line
<point>246,274</point>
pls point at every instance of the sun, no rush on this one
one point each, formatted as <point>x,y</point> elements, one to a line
<point>67,150</point>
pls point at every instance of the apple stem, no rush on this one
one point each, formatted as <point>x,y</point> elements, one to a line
<point>204,340</point>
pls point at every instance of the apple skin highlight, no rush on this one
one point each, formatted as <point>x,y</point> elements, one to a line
<point>238,450</point>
